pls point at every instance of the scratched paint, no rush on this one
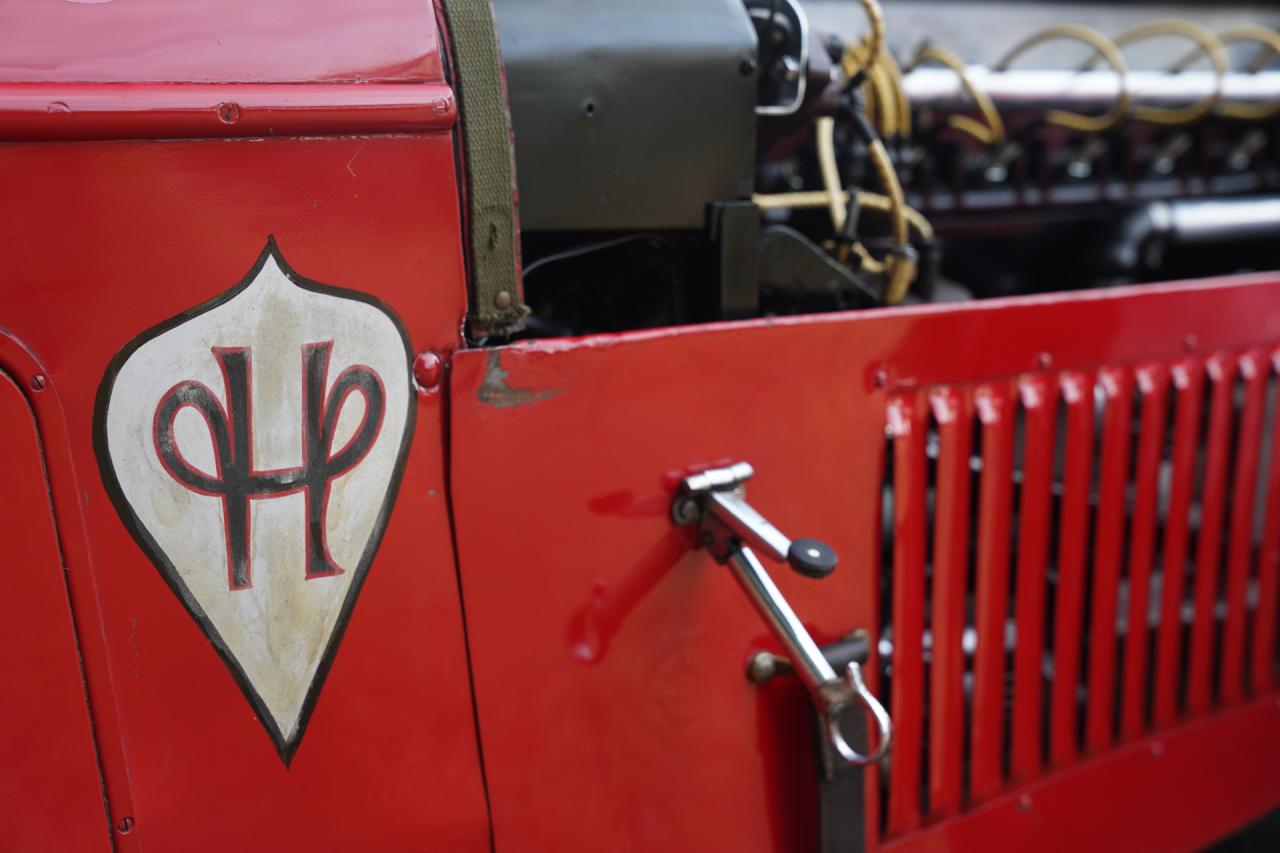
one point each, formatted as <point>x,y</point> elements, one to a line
<point>253,447</point>
<point>495,390</point>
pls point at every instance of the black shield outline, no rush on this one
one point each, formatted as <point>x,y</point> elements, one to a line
<point>286,748</point>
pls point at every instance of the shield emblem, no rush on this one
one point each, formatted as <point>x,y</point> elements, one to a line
<point>253,446</point>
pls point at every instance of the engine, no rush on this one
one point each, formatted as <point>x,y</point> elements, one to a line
<point>684,162</point>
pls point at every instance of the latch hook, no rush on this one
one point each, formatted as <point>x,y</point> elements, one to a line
<point>730,529</point>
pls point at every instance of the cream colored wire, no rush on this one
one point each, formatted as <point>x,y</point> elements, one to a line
<point>1207,42</point>
<point>1103,47</point>
<point>890,101</point>
<point>825,133</point>
<point>819,198</point>
<point>886,100</point>
<point>875,32</point>
<point>900,269</point>
<point>990,130</point>
<point>1269,39</point>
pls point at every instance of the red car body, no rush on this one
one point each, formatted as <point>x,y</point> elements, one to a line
<point>539,659</point>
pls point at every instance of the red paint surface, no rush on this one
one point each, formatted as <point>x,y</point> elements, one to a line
<point>1109,535</point>
<point>1188,381</point>
<point>1182,791</point>
<point>953,412</point>
<point>995,411</point>
<point>217,41</point>
<point>1040,404</point>
<point>60,111</point>
<point>635,726</point>
<point>1253,371</point>
<point>49,786</point>
<point>1073,543</point>
<point>906,708</point>
<point>1221,371</point>
<point>1153,384</point>
<point>104,241</point>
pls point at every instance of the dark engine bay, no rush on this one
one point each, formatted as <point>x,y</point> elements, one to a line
<point>683,161</point>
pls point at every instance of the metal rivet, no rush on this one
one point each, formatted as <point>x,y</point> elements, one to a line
<point>1189,342</point>
<point>229,113</point>
<point>685,511</point>
<point>1044,360</point>
<point>747,67</point>
<point>125,826</point>
<point>502,300</point>
<point>38,382</point>
<point>427,368</point>
<point>762,667</point>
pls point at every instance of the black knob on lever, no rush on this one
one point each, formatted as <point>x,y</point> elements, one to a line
<point>812,558</point>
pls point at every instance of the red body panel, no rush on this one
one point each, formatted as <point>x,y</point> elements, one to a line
<point>50,794</point>
<point>106,240</point>
<point>218,41</point>
<point>637,728</point>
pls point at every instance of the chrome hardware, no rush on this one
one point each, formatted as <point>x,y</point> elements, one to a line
<point>730,529</point>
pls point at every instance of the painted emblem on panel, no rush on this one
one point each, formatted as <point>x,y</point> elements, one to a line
<point>253,445</point>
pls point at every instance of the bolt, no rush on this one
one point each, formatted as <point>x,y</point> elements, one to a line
<point>1044,361</point>
<point>503,300</point>
<point>685,511</point>
<point>427,368</point>
<point>747,67</point>
<point>762,667</point>
<point>125,826</point>
<point>229,113</point>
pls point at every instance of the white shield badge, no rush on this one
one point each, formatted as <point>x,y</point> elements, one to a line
<point>253,446</point>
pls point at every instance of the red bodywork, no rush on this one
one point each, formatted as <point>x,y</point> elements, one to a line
<point>601,669</point>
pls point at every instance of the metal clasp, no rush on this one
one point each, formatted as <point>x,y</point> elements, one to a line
<point>731,529</point>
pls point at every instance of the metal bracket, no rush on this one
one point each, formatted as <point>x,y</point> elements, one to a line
<point>730,529</point>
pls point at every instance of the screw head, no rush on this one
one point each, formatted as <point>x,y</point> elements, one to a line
<point>1190,342</point>
<point>747,67</point>
<point>428,367</point>
<point>229,113</point>
<point>125,826</point>
<point>1044,361</point>
<point>1157,749</point>
<point>39,382</point>
<point>1024,803</point>
<point>880,378</point>
<point>685,511</point>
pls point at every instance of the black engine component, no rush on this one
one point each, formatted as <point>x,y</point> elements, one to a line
<point>629,114</point>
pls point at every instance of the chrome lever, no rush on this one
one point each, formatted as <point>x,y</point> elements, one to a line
<point>730,528</point>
